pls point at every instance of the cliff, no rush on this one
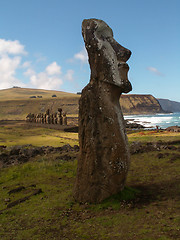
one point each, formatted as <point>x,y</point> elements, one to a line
<point>169,106</point>
<point>140,104</point>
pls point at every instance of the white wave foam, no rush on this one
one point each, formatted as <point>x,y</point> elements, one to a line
<point>148,121</point>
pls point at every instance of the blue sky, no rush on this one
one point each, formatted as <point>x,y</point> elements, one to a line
<point>41,44</point>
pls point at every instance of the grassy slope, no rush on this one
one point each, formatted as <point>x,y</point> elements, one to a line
<point>25,93</point>
<point>15,103</point>
<point>53,214</point>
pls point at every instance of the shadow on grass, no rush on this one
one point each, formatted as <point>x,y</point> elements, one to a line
<point>155,192</point>
<point>138,196</point>
<point>127,195</point>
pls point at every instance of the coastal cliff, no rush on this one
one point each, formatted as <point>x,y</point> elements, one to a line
<point>140,104</point>
<point>169,106</point>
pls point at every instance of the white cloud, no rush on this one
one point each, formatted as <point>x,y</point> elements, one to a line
<point>8,68</point>
<point>26,64</point>
<point>44,81</point>
<point>53,69</point>
<point>11,47</point>
<point>10,61</point>
<point>155,71</point>
<point>48,79</point>
<point>29,72</point>
<point>11,54</point>
<point>81,56</point>
<point>69,75</point>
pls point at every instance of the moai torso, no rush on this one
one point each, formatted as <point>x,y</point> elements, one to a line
<point>104,154</point>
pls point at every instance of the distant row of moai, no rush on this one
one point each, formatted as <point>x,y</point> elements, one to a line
<point>48,118</point>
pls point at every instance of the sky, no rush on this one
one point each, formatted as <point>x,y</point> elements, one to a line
<point>41,45</point>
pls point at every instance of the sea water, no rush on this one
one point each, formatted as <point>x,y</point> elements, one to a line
<point>161,120</point>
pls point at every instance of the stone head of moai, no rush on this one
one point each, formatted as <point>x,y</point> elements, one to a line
<point>107,58</point>
<point>104,157</point>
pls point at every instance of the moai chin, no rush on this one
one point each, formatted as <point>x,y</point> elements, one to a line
<point>104,153</point>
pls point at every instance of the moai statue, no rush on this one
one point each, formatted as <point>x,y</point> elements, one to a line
<point>64,119</point>
<point>45,118</point>
<point>28,117</point>
<point>36,118</point>
<point>59,116</point>
<point>48,117</point>
<point>104,153</point>
<point>39,118</point>
<point>55,118</point>
<point>52,118</point>
<point>32,117</point>
<point>47,112</point>
<point>42,118</point>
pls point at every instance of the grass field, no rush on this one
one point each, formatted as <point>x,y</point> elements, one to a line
<point>147,209</point>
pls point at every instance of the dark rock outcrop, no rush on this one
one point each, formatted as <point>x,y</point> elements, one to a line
<point>21,154</point>
<point>173,129</point>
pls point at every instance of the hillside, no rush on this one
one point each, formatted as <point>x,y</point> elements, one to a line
<point>15,103</point>
<point>17,93</point>
<point>169,106</point>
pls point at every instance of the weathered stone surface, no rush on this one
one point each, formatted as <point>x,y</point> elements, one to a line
<point>104,154</point>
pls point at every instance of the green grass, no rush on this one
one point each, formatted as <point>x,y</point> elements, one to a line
<point>22,135</point>
<point>128,194</point>
<point>153,136</point>
<point>147,209</point>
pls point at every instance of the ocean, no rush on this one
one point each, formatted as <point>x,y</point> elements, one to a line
<point>161,120</point>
